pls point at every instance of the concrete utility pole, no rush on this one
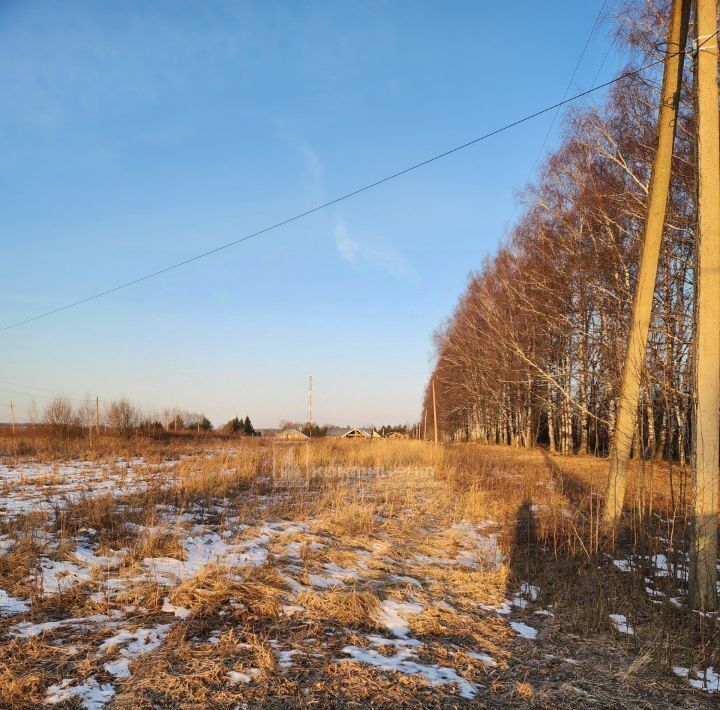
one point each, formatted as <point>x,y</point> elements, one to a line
<point>703,563</point>
<point>309,405</point>
<point>642,304</point>
<point>434,411</point>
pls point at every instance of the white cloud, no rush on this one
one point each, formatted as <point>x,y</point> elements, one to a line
<point>375,256</point>
<point>312,165</point>
<point>347,247</point>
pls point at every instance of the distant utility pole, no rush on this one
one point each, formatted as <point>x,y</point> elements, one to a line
<point>309,405</point>
<point>703,559</point>
<point>434,410</point>
<point>645,289</point>
<point>97,415</point>
<point>425,426</point>
<point>12,417</point>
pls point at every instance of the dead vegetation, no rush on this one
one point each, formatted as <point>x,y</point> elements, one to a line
<point>384,574</point>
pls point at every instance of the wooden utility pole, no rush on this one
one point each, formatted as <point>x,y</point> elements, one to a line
<point>425,426</point>
<point>642,304</point>
<point>12,417</point>
<point>703,564</point>
<point>434,411</point>
<point>97,415</point>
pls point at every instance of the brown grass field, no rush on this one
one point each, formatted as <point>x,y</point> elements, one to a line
<point>210,573</point>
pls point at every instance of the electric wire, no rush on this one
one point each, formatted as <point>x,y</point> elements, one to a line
<point>39,389</point>
<point>565,93</point>
<point>347,195</point>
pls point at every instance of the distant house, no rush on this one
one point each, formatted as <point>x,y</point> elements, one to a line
<point>290,435</point>
<point>349,433</point>
<point>396,435</point>
<point>268,433</point>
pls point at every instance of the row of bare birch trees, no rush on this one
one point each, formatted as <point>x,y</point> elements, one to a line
<point>534,350</point>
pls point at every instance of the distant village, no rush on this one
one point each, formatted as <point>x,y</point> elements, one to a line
<point>290,433</point>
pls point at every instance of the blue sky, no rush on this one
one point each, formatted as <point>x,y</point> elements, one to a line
<point>134,135</point>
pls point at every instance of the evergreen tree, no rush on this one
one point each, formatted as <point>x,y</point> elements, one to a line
<point>248,427</point>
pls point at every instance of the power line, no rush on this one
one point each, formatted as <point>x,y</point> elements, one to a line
<point>602,64</point>
<point>35,387</point>
<point>344,197</point>
<point>567,88</point>
<point>57,395</point>
<point>605,58</point>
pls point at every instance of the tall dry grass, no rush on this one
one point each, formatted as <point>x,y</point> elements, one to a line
<point>544,508</point>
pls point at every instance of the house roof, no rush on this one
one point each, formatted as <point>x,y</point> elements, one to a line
<point>292,432</point>
<point>336,431</point>
<point>344,431</point>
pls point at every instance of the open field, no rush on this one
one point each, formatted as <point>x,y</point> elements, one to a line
<point>223,574</point>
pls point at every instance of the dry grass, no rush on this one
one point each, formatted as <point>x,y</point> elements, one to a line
<point>385,522</point>
<point>350,607</point>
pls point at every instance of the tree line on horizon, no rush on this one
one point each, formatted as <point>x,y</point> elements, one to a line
<point>60,416</point>
<point>534,350</point>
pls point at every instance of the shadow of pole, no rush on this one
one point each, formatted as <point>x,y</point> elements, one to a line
<point>588,503</point>
<point>524,558</point>
<point>571,486</point>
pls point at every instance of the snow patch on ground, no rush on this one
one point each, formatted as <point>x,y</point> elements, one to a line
<point>487,661</point>
<point>621,624</point>
<point>27,629</point>
<point>478,549</point>
<point>334,576</point>
<point>405,579</point>
<point>12,605</point>
<point>204,550</point>
<point>285,657</point>
<point>179,611</point>
<point>136,643</point>
<point>243,676</point>
<point>708,680</point>
<point>503,609</point>
<point>323,582</point>
<point>46,487</point>
<point>91,694</point>
<point>527,632</point>
<point>59,576</point>
<point>530,591</point>
<point>397,643</point>
<point>393,616</point>
<point>434,674</point>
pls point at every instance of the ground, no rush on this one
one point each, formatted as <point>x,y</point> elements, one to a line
<point>351,574</point>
